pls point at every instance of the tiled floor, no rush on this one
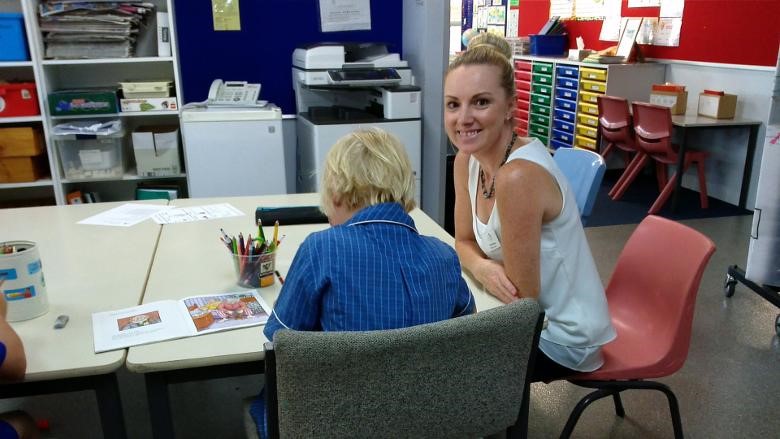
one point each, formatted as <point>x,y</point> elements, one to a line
<point>728,388</point>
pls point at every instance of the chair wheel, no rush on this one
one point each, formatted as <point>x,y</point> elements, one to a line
<point>729,285</point>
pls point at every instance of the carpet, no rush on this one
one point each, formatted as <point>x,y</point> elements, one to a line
<point>633,206</point>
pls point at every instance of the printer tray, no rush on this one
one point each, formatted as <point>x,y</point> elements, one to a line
<point>290,215</point>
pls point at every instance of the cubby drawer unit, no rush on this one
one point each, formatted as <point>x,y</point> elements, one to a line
<point>563,136</point>
<point>541,100</point>
<point>540,109</point>
<point>542,79</point>
<point>595,74</point>
<point>555,144</point>
<point>565,93</point>
<point>563,125</point>
<point>564,82</point>
<point>567,105</point>
<point>543,67</point>
<point>585,142</point>
<point>564,115</point>
<point>539,130</point>
<point>593,86</point>
<point>585,130</point>
<point>568,71</point>
<point>522,105</point>
<point>589,109</point>
<point>588,120</point>
<point>521,114</point>
<point>589,97</point>
<point>542,89</point>
<point>523,65</point>
<point>522,75</point>
<point>540,119</point>
<point>524,95</point>
<point>522,85</point>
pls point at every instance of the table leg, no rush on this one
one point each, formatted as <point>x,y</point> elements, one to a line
<point>159,405</point>
<point>751,149</point>
<point>680,163</point>
<point>110,406</point>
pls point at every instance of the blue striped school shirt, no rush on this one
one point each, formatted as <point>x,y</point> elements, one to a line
<point>375,271</point>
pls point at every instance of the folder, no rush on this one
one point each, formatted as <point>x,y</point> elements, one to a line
<point>290,215</point>
<point>163,34</point>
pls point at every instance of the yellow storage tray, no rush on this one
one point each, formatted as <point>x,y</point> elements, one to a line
<point>593,86</point>
<point>589,109</point>
<point>585,142</point>
<point>589,97</point>
<point>595,74</point>
<point>588,120</point>
<point>588,131</point>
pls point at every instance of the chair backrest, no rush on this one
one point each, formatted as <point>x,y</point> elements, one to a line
<point>653,289</point>
<point>615,121</point>
<point>584,170</point>
<point>463,377</point>
<point>653,128</point>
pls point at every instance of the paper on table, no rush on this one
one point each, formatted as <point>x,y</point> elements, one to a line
<point>196,213</point>
<point>125,215</point>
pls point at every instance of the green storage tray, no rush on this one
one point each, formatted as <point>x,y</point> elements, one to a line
<point>83,101</point>
<point>541,100</point>
<point>540,109</point>
<point>543,67</point>
<point>540,130</point>
<point>543,79</point>
<point>542,89</point>
<point>540,119</point>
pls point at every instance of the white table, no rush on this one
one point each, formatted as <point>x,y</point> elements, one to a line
<point>190,260</point>
<point>87,268</point>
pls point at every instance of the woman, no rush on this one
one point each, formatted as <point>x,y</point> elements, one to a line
<point>517,226</point>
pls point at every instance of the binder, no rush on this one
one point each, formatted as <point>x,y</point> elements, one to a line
<point>163,34</point>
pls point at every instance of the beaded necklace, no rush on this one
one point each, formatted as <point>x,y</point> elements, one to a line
<point>488,194</point>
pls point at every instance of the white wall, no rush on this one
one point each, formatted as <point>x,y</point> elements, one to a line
<point>753,85</point>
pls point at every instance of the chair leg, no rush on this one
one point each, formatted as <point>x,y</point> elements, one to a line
<point>674,409</point>
<point>520,429</point>
<point>702,185</point>
<point>607,150</point>
<point>624,175</point>
<point>661,200</point>
<point>580,407</point>
<point>661,175</point>
<point>618,405</point>
<point>636,167</point>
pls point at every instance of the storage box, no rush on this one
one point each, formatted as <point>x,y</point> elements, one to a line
<point>85,157</point>
<point>552,45</point>
<point>677,101</point>
<point>149,104</point>
<point>156,151</point>
<point>717,106</point>
<point>19,99</point>
<point>21,155</point>
<point>146,89</point>
<point>83,101</point>
<point>13,44</point>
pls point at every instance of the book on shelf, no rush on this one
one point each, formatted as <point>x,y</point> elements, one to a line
<point>170,319</point>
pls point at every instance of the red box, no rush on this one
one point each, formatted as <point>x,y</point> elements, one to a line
<point>19,99</point>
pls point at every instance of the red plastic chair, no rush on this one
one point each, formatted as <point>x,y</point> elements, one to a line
<point>651,298</point>
<point>653,128</point>
<point>615,127</point>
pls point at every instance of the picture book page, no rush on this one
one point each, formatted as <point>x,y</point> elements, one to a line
<point>219,312</point>
<point>141,324</point>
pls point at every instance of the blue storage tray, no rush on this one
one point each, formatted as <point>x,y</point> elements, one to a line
<point>563,137</point>
<point>562,125</point>
<point>568,71</point>
<point>549,44</point>
<point>565,82</point>
<point>567,116</point>
<point>555,144</point>
<point>565,93</point>
<point>13,44</point>
<point>567,105</point>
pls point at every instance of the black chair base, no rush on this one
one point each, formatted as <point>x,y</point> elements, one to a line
<point>613,388</point>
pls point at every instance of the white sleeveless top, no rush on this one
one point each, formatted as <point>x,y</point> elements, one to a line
<point>571,291</point>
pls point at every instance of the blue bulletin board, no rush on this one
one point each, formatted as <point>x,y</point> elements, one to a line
<point>261,52</point>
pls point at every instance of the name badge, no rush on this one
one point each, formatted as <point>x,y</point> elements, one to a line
<point>491,241</point>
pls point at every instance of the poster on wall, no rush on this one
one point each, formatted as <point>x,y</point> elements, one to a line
<point>562,8</point>
<point>496,15</point>
<point>511,23</point>
<point>647,30</point>
<point>610,27</point>
<point>226,15</point>
<point>667,32</point>
<point>343,15</point>
<point>644,3</point>
<point>672,8</point>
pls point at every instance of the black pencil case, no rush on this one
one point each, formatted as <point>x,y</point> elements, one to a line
<point>290,215</point>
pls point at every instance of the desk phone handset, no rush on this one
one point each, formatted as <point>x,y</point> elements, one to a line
<point>233,93</point>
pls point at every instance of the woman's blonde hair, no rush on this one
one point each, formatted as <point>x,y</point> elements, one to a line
<point>492,50</point>
<point>367,167</point>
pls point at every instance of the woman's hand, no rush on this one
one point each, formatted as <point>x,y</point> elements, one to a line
<point>492,276</point>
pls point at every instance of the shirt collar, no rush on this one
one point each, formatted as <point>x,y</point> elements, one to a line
<point>382,213</point>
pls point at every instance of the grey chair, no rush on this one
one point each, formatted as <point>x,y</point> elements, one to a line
<point>463,377</point>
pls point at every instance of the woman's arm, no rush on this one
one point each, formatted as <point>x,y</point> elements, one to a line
<point>527,196</point>
<point>14,365</point>
<point>488,272</point>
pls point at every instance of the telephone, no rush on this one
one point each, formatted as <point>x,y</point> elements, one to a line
<point>233,93</point>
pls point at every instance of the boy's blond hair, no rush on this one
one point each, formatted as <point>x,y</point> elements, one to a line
<point>367,167</point>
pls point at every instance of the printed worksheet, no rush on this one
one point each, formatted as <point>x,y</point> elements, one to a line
<point>125,215</point>
<point>196,213</point>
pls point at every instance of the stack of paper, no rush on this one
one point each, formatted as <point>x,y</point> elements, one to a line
<point>91,29</point>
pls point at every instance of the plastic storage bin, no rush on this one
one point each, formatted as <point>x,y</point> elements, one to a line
<point>549,44</point>
<point>13,44</point>
<point>92,156</point>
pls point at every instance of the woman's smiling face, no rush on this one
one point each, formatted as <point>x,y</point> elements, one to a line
<point>476,107</point>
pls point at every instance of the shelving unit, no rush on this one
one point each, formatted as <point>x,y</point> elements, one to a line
<point>57,74</point>
<point>557,98</point>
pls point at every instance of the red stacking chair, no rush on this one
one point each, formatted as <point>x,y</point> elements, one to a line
<point>653,129</point>
<point>651,298</point>
<point>615,126</point>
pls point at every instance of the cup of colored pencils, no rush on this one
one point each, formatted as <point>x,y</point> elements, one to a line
<point>254,258</point>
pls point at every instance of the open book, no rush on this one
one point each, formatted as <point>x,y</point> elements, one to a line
<point>169,319</point>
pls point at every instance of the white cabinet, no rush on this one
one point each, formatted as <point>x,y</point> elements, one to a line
<point>57,74</point>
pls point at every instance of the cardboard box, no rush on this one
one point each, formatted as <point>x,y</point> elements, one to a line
<point>83,101</point>
<point>717,106</point>
<point>20,142</point>
<point>677,101</point>
<point>21,169</point>
<point>156,151</point>
<point>149,104</point>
